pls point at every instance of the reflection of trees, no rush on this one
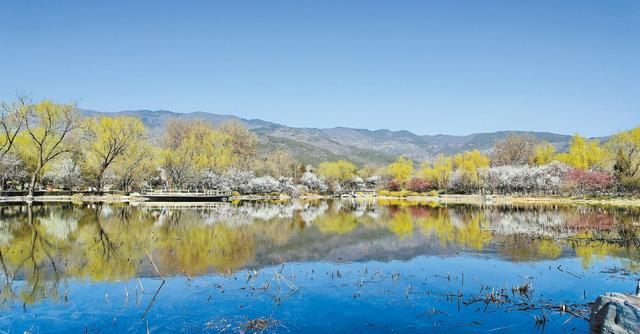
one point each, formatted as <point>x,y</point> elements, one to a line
<point>111,245</point>
<point>339,223</point>
<point>42,245</point>
<point>463,228</point>
<point>524,248</point>
<point>549,249</point>
<point>591,248</point>
<point>194,249</point>
<point>343,217</point>
<point>401,224</point>
<point>30,257</point>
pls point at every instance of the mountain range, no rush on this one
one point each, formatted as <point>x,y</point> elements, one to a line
<point>361,146</point>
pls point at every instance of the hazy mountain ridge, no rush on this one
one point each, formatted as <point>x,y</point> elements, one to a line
<point>363,146</point>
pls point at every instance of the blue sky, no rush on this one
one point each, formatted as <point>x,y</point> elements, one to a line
<point>453,67</point>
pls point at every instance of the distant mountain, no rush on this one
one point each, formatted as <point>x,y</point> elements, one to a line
<point>365,147</point>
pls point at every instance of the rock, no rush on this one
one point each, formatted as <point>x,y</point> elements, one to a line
<point>615,313</point>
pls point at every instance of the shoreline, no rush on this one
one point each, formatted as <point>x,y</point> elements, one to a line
<point>473,199</point>
<point>526,200</point>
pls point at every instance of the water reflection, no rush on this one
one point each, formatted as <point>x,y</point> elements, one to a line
<point>42,245</point>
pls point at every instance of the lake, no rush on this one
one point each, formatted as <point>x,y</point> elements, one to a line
<point>358,266</point>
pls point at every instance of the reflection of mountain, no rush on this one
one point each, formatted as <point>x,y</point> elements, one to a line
<point>108,242</point>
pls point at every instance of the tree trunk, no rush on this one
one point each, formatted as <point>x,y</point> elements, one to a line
<point>100,178</point>
<point>34,176</point>
<point>99,184</point>
<point>32,184</point>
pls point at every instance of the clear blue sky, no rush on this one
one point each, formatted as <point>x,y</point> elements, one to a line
<point>453,67</point>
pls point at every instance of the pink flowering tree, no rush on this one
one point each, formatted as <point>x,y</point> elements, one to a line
<point>582,181</point>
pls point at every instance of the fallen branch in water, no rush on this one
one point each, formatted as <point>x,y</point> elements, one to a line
<point>567,272</point>
<point>152,300</point>
<point>157,291</point>
<point>153,263</point>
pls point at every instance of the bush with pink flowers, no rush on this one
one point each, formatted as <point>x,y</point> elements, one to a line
<point>580,181</point>
<point>419,185</point>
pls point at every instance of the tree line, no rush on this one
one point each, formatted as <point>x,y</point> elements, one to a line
<point>49,145</point>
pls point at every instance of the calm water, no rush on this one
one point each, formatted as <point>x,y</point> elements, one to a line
<point>310,266</point>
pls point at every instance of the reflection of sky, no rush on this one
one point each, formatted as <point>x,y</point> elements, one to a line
<point>395,295</point>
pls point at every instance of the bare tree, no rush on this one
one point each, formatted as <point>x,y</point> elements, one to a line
<point>515,150</point>
<point>243,142</point>
<point>12,118</point>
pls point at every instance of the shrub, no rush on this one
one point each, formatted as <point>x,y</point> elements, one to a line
<point>630,185</point>
<point>419,185</point>
<point>373,181</point>
<point>355,183</point>
<point>433,193</point>
<point>394,185</point>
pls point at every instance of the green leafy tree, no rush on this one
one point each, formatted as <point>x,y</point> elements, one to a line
<point>439,172</point>
<point>401,170</point>
<point>340,170</point>
<point>583,154</point>
<point>47,136</point>
<point>191,148</point>
<point>468,164</point>
<point>137,167</point>
<point>626,146</point>
<point>108,139</point>
<point>543,154</point>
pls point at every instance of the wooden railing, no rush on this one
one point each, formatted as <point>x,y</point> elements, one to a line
<point>351,192</point>
<point>10,193</point>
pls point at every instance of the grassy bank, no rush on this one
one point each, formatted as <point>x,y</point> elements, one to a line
<point>525,200</point>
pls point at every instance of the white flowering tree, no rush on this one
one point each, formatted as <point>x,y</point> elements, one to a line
<point>64,174</point>
<point>263,185</point>
<point>313,183</point>
<point>459,181</point>
<point>545,179</point>
<point>373,182</point>
<point>12,169</point>
<point>288,187</point>
<point>238,180</point>
<point>355,183</point>
<point>213,180</point>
